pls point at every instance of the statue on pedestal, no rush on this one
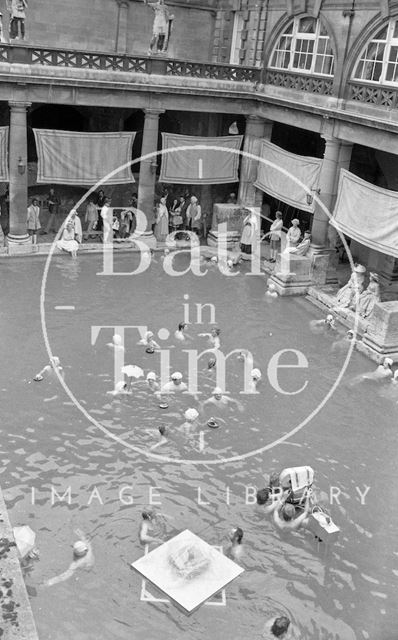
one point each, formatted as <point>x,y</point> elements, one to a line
<point>370,296</point>
<point>162,25</point>
<point>346,296</point>
<point>16,9</point>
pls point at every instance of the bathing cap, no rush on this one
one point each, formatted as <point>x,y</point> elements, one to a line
<point>151,375</point>
<point>80,548</point>
<point>359,268</point>
<point>350,332</point>
<point>55,361</point>
<point>329,317</point>
<point>176,375</point>
<point>256,374</point>
<point>191,414</point>
<point>271,286</point>
<point>117,339</point>
<point>214,259</point>
<point>149,334</point>
<point>217,391</point>
<point>388,361</point>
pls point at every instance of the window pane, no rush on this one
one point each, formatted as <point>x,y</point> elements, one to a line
<point>382,34</point>
<point>307,25</point>
<point>395,35</point>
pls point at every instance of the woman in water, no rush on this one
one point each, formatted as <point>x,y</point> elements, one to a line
<point>236,550</point>
<point>52,367</point>
<point>149,342</point>
<point>116,343</point>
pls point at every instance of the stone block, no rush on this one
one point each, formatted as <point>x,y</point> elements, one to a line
<point>382,333</point>
<point>292,275</point>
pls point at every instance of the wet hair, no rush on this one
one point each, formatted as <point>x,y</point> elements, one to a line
<point>162,429</point>
<point>238,535</point>
<point>216,331</point>
<point>182,326</point>
<point>212,363</point>
<point>280,626</point>
<point>262,496</point>
<point>147,515</point>
<point>288,512</point>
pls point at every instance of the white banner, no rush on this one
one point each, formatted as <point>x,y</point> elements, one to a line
<point>367,213</point>
<point>276,176</point>
<point>83,158</point>
<point>4,177</point>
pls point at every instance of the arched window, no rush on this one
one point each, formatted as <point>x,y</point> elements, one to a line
<point>304,46</point>
<point>378,61</point>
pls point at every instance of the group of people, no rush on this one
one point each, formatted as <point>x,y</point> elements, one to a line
<point>293,236</point>
<point>182,214</point>
<point>353,295</point>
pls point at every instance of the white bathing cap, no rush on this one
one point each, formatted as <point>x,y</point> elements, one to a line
<point>191,414</point>
<point>80,548</point>
<point>217,391</point>
<point>256,374</point>
<point>151,376</point>
<point>176,375</point>
<point>117,340</point>
<point>388,361</point>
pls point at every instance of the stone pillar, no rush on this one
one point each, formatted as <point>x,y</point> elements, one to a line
<point>122,26</point>
<point>147,178</point>
<point>18,239</point>
<point>256,129</point>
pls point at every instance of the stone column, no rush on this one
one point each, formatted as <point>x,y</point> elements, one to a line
<point>147,178</point>
<point>18,239</point>
<point>327,182</point>
<point>122,26</point>
<point>343,162</point>
<point>256,129</point>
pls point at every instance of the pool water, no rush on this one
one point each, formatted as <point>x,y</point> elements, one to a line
<point>48,445</point>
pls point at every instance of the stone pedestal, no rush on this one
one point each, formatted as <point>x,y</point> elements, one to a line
<point>381,339</point>
<point>292,275</point>
<point>226,224</point>
<point>323,267</point>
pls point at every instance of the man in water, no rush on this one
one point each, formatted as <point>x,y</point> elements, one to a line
<point>268,499</point>
<point>277,628</point>
<point>82,557</point>
<point>285,516</point>
<point>176,385</point>
<point>236,550</point>
<point>220,400</point>
<point>148,516</point>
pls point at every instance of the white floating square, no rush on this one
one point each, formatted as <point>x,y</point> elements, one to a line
<point>187,569</point>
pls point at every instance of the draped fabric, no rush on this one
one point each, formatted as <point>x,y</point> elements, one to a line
<point>4,154</point>
<point>80,158</point>
<point>200,160</point>
<point>367,213</point>
<point>279,175</point>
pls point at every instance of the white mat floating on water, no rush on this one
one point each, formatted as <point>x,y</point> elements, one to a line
<point>200,160</point>
<point>281,184</point>
<point>81,158</point>
<point>4,177</point>
<point>367,213</point>
<point>187,569</point>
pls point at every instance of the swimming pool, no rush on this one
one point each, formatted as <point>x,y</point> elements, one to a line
<point>48,445</point>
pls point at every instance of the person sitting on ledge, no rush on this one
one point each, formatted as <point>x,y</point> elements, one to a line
<point>369,297</point>
<point>293,234</point>
<point>301,248</point>
<point>347,296</point>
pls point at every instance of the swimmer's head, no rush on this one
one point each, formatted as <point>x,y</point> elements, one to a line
<point>236,535</point>
<point>80,549</point>
<point>217,393</point>
<point>191,415</point>
<point>148,335</point>
<point>329,318</point>
<point>117,340</point>
<point>166,251</point>
<point>262,496</point>
<point>214,259</point>
<point>256,374</point>
<point>274,479</point>
<point>215,332</point>
<point>350,334</point>
<point>148,514</point>
<point>271,287</point>
<point>182,326</point>
<point>162,429</point>
<point>280,626</point>
<point>212,363</point>
<point>241,356</point>
<point>54,361</point>
<point>176,377</point>
<point>288,512</point>
<point>387,363</point>
<point>151,376</point>
<point>230,264</point>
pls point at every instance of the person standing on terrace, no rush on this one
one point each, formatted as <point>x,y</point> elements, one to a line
<point>161,26</point>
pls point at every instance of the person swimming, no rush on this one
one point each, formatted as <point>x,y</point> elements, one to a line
<point>277,628</point>
<point>285,514</point>
<point>52,367</point>
<point>213,337</point>
<point>236,549</point>
<point>149,342</point>
<point>328,323</point>
<point>268,499</point>
<point>221,400</point>
<point>82,557</point>
<point>151,380</point>
<point>382,372</point>
<point>344,343</point>
<point>144,536</point>
<point>163,432</point>
<point>116,343</point>
<point>255,380</point>
<point>180,332</point>
<point>176,385</point>
<point>191,421</point>
<point>271,291</point>
<point>120,389</point>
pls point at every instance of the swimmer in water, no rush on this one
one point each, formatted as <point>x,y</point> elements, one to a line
<point>82,557</point>
<point>285,514</point>
<point>382,372</point>
<point>163,432</point>
<point>277,628</point>
<point>116,343</point>
<point>221,400</point>
<point>191,422</point>
<point>328,323</point>
<point>213,337</point>
<point>151,381</point>
<point>235,536</point>
<point>51,368</point>
<point>148,516</point>
<point>255,380</point>
<point>268,499</point>
<point>120,389</point>
<point>344,343</point>
<point>149,342</point>
<point>176,385</point>
<point>180,333</point>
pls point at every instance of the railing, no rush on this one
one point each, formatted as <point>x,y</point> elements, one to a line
<point>300,82</point>
<point>45,56</point>
<point>373,95</point>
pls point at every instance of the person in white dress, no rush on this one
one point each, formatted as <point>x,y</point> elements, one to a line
<point>67,242</point>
